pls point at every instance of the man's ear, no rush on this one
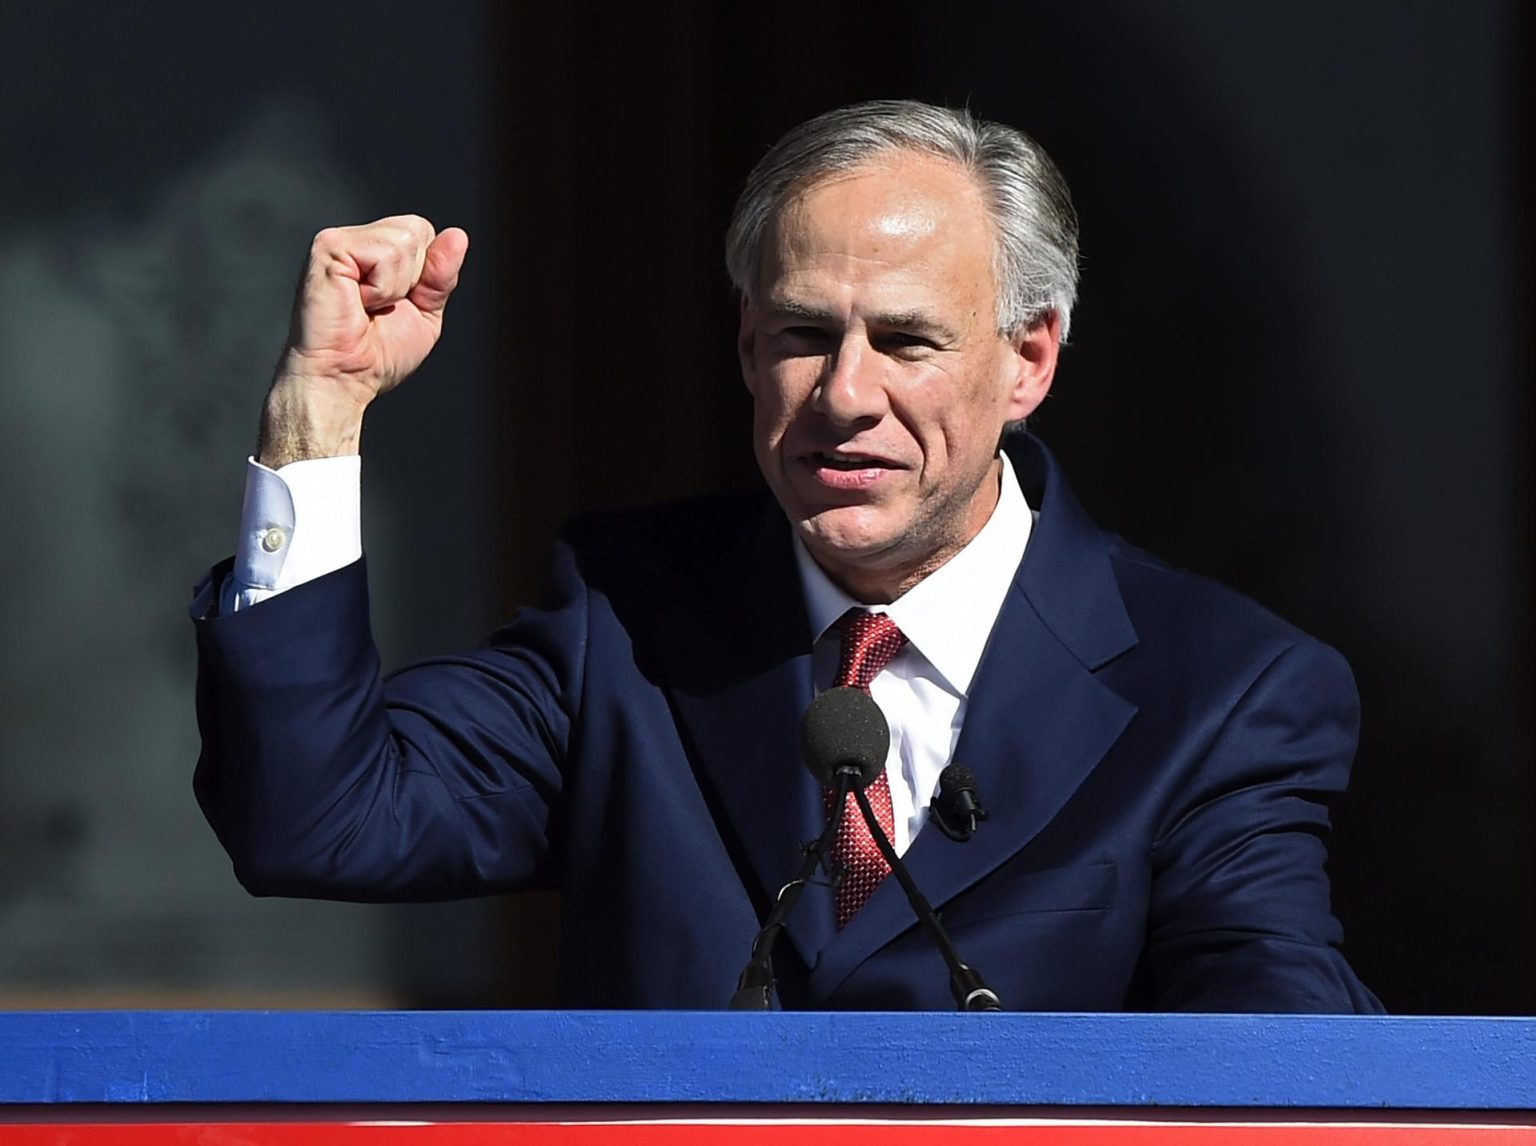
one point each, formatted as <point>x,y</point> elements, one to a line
<point>746,344</point>
<point>1032,365</point>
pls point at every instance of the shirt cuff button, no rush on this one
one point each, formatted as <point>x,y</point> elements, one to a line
<point>272,540</point>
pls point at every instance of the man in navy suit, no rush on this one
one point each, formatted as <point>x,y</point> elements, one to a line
<point>1157,753</point>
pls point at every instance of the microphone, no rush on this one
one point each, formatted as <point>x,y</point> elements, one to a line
<point>844,733</point>
<point>844,739</point>
<point>844,729</point>
<point>957,807</point>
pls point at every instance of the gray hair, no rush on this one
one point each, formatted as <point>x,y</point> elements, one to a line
<point>1034,261</point>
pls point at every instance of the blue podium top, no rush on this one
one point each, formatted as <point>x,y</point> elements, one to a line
<point>642,1057</point>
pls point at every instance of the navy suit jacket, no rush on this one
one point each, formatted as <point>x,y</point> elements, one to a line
<point>1157,754</point>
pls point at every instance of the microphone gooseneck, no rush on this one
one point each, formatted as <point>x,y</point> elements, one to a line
<point>966,985</point>
<point>844,739</point>
<point>754,986</point>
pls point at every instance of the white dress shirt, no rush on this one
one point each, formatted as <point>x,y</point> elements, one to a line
<point>273,553</point>
<point>305,520</point>
<point>947,618</point>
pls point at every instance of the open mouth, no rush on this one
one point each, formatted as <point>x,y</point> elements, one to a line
<point>837,461</point>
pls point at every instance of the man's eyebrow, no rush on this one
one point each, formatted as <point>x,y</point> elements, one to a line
<point>788,308</point>
<point>915,321</point>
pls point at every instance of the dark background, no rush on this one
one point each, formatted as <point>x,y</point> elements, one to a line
<point>1300,364</point>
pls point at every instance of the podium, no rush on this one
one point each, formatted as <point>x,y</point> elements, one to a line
<point>574,1078</point>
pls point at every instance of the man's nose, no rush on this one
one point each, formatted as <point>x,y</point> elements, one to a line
<point>852,385</point>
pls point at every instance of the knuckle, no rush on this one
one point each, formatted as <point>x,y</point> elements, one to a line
<point>415,224</point>
<point>327,239</point>
<point>398,250</point>
<point>421,231</point>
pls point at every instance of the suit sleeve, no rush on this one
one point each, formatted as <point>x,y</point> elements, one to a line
<point>321,779</point>
<point>1240,916</point>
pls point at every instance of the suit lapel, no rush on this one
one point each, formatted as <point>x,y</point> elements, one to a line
<point>1038,719</point>
<point>742,683</point>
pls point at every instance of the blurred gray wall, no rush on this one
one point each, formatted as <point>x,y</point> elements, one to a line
<point>166,165</point>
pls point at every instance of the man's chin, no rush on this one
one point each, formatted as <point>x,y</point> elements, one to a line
<point>845,536</point>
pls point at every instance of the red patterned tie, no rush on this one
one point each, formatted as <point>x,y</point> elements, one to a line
<point>870,640</point>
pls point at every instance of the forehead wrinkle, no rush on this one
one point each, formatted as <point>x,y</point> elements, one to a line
<point>903,219</point>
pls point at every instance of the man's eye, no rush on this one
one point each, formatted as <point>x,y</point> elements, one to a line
<point>899,340</point>
<point>802,338</point>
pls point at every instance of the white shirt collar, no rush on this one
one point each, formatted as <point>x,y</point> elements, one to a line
<point>949,614</point>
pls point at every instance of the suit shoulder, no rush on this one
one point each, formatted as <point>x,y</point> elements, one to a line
<point>1172,607</point>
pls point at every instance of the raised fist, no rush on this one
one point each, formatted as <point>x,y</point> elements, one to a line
<point>369,310</point>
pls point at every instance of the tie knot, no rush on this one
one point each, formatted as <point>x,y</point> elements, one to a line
<point>870,640</point>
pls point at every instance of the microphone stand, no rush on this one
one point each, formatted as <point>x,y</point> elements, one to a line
<point>970,991</point>
<point>754,988</point>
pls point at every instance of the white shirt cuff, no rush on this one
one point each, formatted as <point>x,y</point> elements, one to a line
<point>297,523</point>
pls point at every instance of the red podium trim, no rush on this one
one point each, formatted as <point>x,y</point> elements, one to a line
<point>760,1133</point>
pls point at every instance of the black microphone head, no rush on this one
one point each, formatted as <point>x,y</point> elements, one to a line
<point>956,778</point>
<point>844,728</point>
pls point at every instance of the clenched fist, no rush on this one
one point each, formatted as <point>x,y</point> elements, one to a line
<point>368,312</point>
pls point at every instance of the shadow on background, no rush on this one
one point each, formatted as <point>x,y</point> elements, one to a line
<point>1267,383</point>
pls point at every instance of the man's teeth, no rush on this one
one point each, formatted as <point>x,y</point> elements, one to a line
<point>841,462</point>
